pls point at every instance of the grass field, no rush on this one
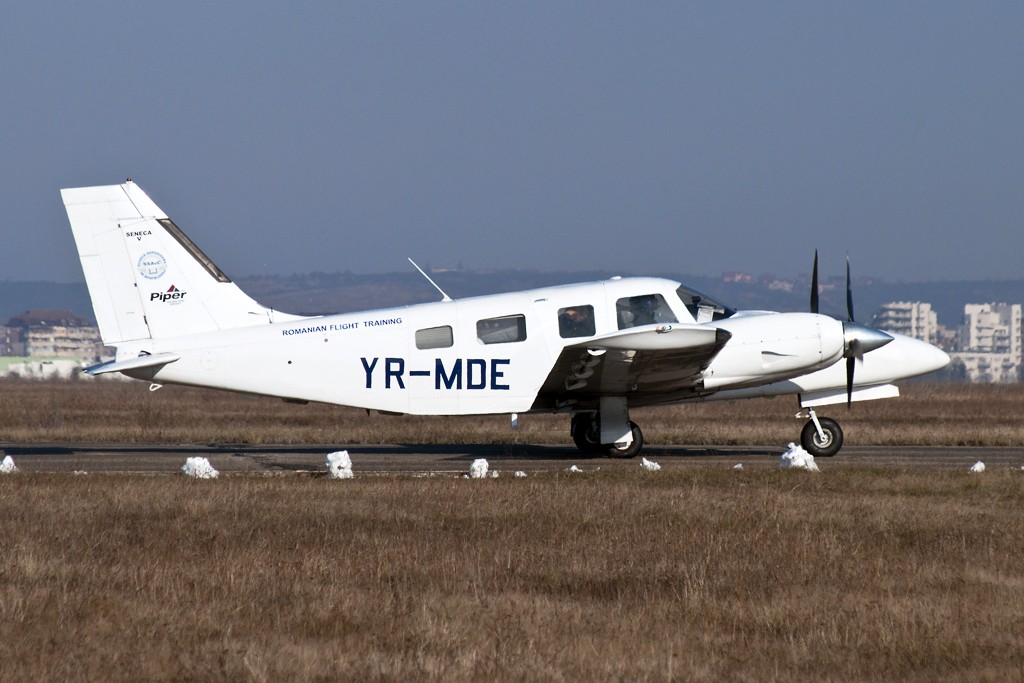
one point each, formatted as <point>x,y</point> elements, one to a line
<point>691,574</point>
<point>677,575</point>
<point>126,412</point>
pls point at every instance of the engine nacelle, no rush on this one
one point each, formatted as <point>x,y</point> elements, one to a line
<point>773,347</point>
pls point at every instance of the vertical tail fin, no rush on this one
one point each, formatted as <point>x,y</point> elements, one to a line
<point>146,278</point>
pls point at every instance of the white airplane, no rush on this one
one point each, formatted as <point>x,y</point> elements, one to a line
<point>593,350</point>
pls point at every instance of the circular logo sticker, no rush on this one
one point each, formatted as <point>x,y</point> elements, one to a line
<point>152,265</point>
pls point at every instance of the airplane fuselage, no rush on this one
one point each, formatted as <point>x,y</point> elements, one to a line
<point>386,359</point>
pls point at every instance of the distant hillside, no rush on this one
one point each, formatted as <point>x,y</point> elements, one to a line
<point>18,297</point>
<point>315,293</point>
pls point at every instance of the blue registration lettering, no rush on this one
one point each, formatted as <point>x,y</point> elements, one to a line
<point>496,374</point>
<point>394,367</point>
<point>442,377</point>
<point>476,373</point>
<point>472,381</point>
<point>368,368</point>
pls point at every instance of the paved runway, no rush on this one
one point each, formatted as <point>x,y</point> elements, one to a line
<point>426,459</point>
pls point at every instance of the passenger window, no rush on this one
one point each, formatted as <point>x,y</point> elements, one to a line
<point>434,338</point>
<point>647,309</point>
<point>509,328</point>
<point>576,321</point>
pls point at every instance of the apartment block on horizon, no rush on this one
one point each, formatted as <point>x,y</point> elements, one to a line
<point>990,343</point>
<point>51,334</point>
<point>911,318</point>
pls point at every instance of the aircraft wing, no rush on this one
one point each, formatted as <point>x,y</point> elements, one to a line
<point>640,362</point>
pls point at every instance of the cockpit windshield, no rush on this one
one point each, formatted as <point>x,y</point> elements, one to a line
<point>703,308</point>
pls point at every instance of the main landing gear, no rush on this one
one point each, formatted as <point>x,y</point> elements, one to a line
<point>586,434</point>
<point>620,437</point>
<point>821,436</point>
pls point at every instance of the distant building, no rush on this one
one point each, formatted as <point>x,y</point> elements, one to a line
<point>992,328</point>
<point>946,339</point>
<point>911,318</point>
<point>51,334</point>
<point>12,341</point>
<point>990,343</point>
<point>780,286</point>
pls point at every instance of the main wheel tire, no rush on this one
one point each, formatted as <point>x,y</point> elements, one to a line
<point>586,433</point>
<point>817,446</point>
<point>630,451</point>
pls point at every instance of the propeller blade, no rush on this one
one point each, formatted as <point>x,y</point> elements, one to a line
<point>849,292</point>
<point>814,284</point>
<point>851,362</point>
<point>855,350</point>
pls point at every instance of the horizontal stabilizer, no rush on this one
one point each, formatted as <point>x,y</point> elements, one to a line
<point>144,361</point>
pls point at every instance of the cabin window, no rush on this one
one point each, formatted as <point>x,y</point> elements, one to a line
<point>647,309</point>
<point>435,338</point>
<point>509,328</point>
<point>576,321</point>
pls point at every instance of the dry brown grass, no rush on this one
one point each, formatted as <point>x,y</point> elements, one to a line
<point>112,412</point>
<point>685,574</point>
<point>689,574</point>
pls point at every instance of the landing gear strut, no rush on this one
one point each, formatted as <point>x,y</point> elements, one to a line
<point>821,436</point>
<point>586,434</point>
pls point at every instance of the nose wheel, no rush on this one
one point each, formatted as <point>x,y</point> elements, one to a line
<point>821,436</point>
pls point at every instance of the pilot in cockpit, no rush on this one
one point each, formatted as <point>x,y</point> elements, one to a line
<point>644,309</point>
<point>576,321</point>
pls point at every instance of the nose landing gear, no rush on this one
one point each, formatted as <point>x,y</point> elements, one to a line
<point>821,436</point>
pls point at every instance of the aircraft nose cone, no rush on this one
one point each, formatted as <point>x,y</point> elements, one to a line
<point>930,358</point>
<point>861,339</point>
<point>916,357</point>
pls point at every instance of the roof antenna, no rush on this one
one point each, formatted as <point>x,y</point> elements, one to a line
<point>444,297</point>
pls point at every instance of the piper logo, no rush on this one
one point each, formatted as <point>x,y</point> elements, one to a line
<point>172,294</point>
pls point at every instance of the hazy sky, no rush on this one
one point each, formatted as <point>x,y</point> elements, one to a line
<point>639,137</point>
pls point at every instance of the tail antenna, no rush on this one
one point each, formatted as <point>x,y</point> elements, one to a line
<point>444,297</point>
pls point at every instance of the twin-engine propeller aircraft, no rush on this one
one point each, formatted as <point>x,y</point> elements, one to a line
<point>592,351</point>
